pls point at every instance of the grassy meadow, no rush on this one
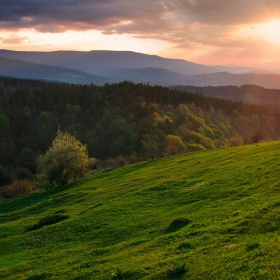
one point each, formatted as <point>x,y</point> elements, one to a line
<point>211,214</point>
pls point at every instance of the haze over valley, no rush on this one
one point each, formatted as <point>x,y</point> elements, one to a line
<point>100,67</point>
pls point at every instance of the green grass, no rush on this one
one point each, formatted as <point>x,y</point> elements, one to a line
<point>204,215</point>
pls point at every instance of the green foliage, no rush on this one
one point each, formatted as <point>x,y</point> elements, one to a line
<point>66,158</point>
<point>27,159</point>
<point>4,125</point>
<point>174,145</point>
<point>116,119</point>
<point>195,147</point>
<point>151,147</point>
<point>7,175</point>
<point>46,126</point>
<point>24,173</point>
<point>2,86</point>
<point>234,141</point>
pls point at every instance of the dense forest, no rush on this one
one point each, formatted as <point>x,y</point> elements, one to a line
<point>136,121</point>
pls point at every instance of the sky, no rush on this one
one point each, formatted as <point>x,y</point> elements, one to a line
<point>213,32</point>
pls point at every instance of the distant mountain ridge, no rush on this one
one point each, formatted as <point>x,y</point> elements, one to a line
<point>103,62</point>
<point>21,69</point>
<point>100,67</point>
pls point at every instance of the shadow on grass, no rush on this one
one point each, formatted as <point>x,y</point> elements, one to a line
<point>47,221</point>
<point>20,203</point>
<point>177,224</point>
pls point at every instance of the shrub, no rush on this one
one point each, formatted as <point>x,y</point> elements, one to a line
<point>195,147</point>
<point>118,161</point>
<point>121,161</point>
<point>207,142</point>
<point>18,188</point>
<point>257,137</point>
<point>110,162</point>
<point>134,157</point>
<point>234,141</point>
<point>171,150</point>
<point>92,164</point>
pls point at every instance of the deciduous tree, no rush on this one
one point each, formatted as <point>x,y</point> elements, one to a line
<point>66,158</point>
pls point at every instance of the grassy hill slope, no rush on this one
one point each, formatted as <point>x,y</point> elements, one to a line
<point>204,215</point>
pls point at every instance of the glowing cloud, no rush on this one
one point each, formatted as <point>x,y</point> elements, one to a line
<point>204,31</point>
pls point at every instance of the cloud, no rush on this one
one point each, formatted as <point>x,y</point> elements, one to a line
<point>230,12</point>
<point>184,23</point>
<point>145,16</point>
<point>13,39</point>
<point>76,14</point>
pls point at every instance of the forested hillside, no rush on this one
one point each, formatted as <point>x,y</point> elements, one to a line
<point>134,120</point>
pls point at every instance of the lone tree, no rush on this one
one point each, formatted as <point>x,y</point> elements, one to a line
<point>66,158</point>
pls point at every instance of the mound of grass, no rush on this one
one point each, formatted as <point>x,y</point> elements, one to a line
<point>177,271</point>
<point>177,224</point>
<point>251,245</point>
<point>47,221</point>
<point>122,275</point>
<point>43,276</point>
<point>204,215</point>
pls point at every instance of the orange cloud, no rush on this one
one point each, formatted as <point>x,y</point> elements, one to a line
<point>195,28</point>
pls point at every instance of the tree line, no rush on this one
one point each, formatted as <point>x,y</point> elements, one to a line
<point>136,121</point>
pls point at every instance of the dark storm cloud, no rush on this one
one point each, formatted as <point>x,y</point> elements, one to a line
<point>145,15</point>
<point>76,14</point>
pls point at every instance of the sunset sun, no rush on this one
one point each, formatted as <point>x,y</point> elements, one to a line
<point>269,31</point>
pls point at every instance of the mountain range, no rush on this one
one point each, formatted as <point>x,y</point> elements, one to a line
<point>100,67</point>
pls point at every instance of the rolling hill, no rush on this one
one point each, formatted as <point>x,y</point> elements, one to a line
<point>100,67</point>
<point>104,63</point>
<point>27,70</point>
<point>204,215</point>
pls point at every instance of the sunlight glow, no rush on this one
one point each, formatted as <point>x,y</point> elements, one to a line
<point>79,40</point>
<point>269,31</point>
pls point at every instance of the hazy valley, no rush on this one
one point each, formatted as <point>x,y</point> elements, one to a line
<point>100,67</point>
